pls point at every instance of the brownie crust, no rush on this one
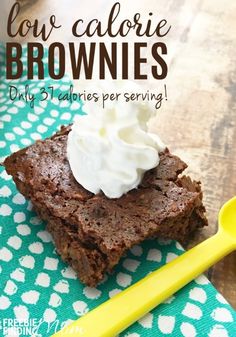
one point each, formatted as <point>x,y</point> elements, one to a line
<point>92,232</point>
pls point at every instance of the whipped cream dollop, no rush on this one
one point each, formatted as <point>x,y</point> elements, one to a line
<point>110,149</point>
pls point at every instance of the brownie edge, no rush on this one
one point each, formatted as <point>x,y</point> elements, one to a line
<point>92,232</point>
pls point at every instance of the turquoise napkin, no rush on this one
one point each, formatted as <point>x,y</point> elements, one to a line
<point>41,292</point>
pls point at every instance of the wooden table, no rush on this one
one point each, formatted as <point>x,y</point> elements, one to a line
<point>199,120</point>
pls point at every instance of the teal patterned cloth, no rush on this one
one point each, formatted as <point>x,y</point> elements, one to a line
<point>37,287</point>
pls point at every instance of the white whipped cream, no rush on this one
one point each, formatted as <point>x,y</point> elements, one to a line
<point>110,149</point>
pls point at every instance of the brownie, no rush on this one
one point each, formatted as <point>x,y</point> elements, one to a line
<point>92,232</point>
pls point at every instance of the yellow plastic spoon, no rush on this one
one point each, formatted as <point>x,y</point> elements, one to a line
<point>116,314</point>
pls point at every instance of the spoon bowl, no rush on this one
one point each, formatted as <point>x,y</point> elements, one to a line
<point>227,218</point>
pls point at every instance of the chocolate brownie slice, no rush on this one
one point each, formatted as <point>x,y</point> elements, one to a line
<point>92,232</point>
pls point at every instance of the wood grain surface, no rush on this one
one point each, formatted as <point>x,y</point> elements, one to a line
<point>198,122</point>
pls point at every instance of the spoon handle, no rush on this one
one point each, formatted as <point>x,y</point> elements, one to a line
<point>116,314</point>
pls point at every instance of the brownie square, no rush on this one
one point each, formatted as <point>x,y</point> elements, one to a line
<point>92,232</point>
